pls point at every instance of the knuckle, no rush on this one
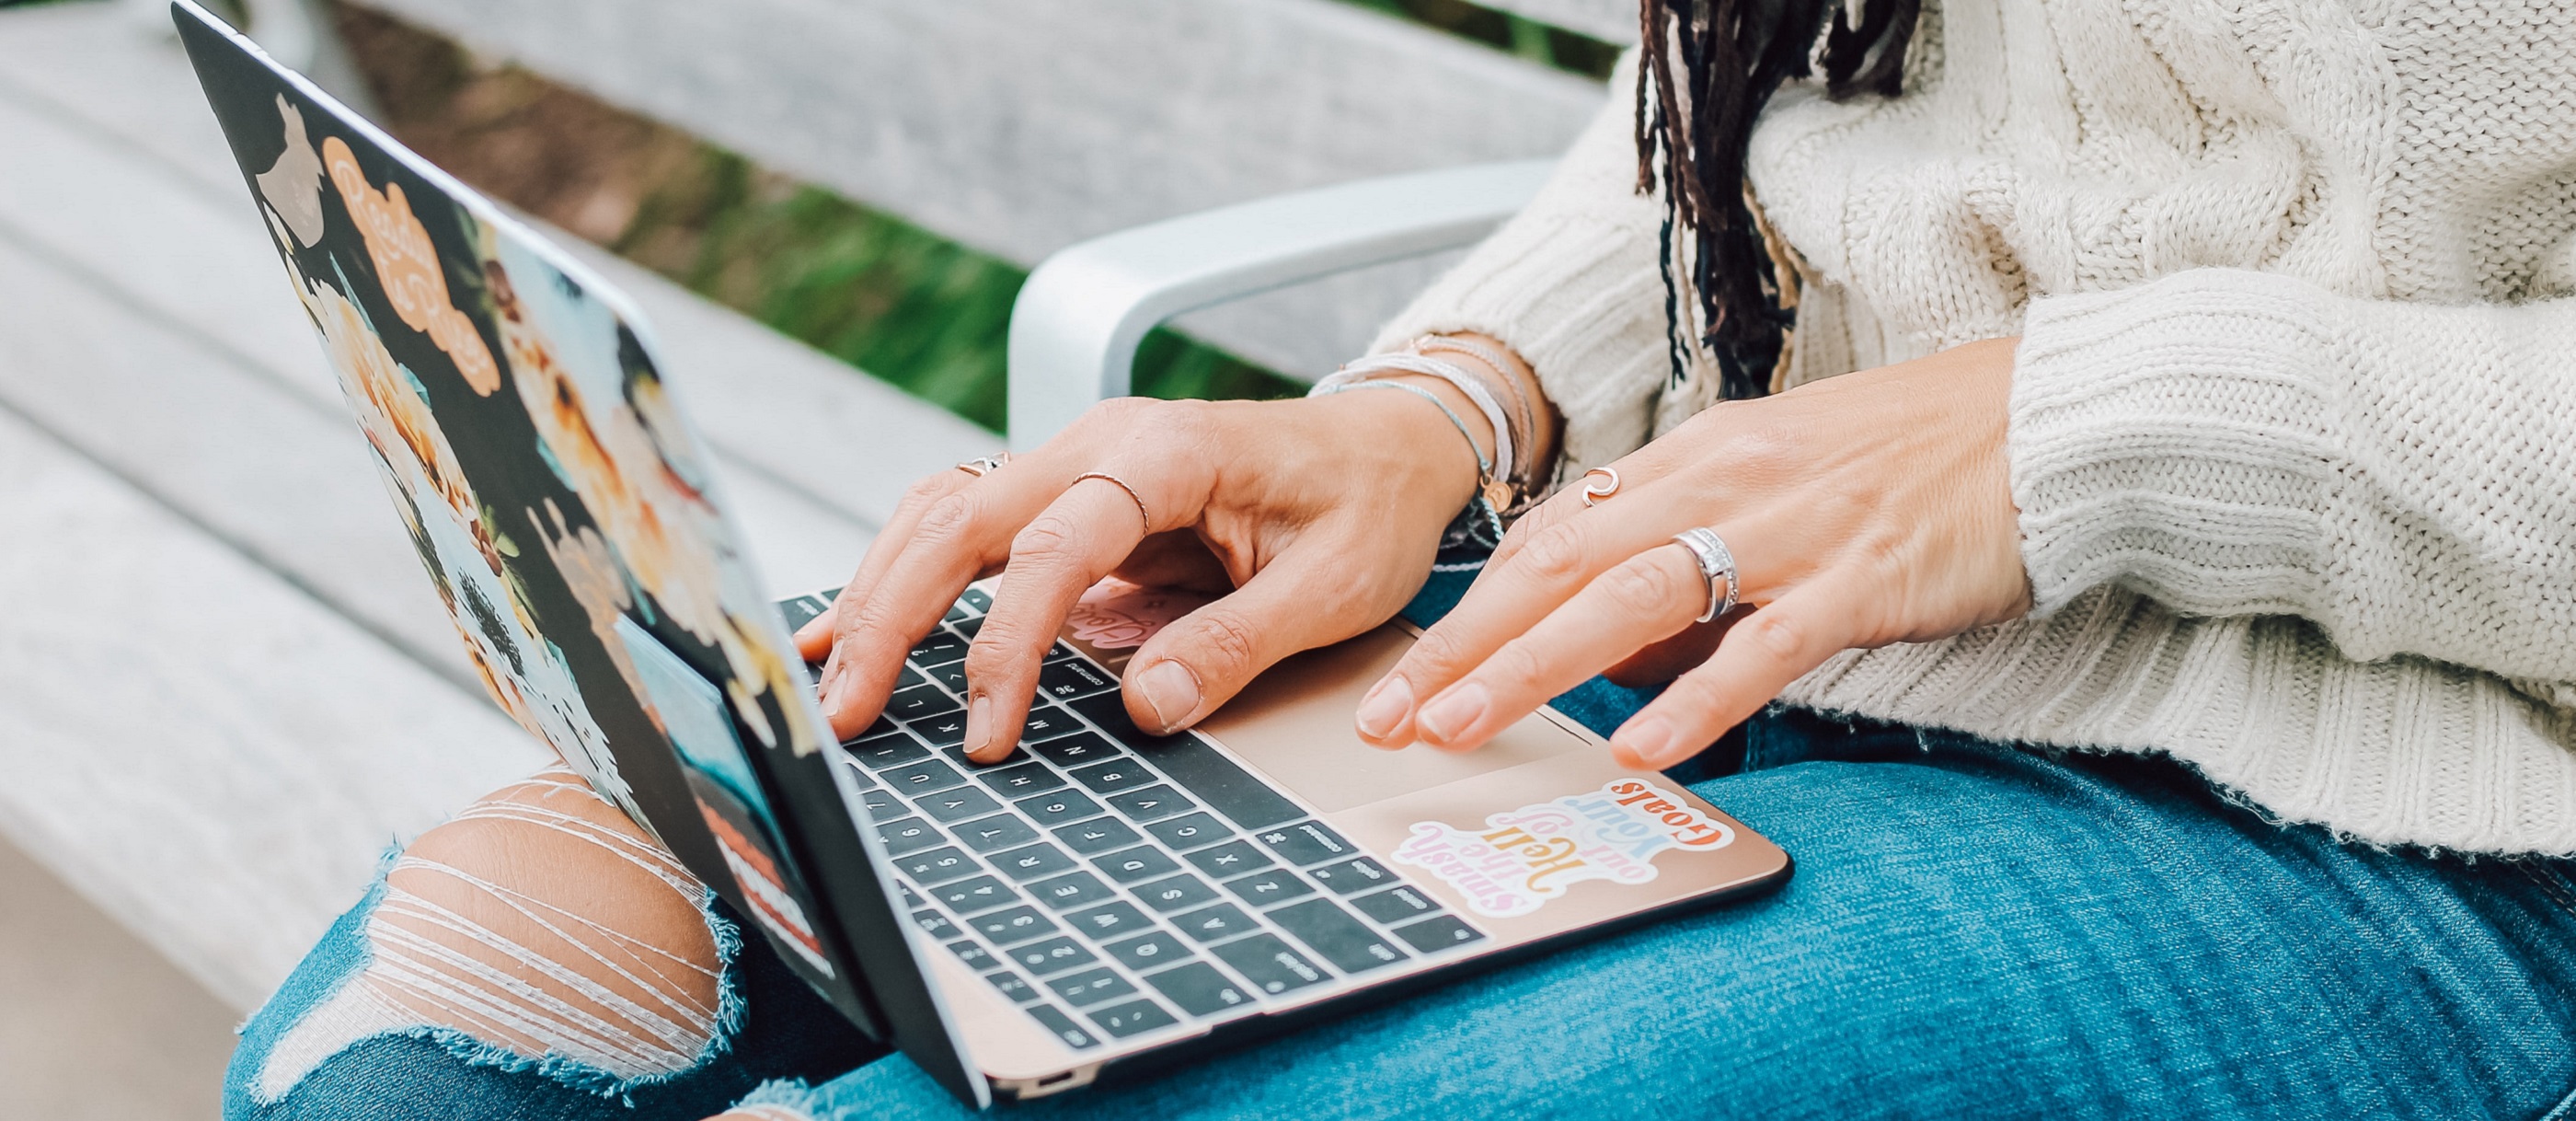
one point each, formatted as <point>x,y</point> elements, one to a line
<point>1436,649</point>
<point>1227,643</point>
<point>1554,555</point>
<point>948,518</point>
<point>1639,588</point>
<point>1774,634</point>
<point>927,489</point>
<point>1765,449</point>
<point>1051,535</point>
<point>1516,667</point>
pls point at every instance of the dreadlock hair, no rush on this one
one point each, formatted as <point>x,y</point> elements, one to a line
<point>1709,67</point>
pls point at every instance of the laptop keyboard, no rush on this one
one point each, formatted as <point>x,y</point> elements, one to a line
<point>1111,882</point>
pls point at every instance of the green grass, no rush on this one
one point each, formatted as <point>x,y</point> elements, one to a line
<point>920,311</point>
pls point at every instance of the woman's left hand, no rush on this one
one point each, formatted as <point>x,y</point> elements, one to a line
<point>1861,510</point>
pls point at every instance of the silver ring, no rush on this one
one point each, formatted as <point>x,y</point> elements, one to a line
<point>1715,563</point>
<point>984,463</point>
<point>1121,484</point>
<point>1594,492</point>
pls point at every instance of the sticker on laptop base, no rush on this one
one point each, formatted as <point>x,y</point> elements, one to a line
<point>1523,858</point>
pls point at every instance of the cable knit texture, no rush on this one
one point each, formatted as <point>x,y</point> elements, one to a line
<point>2294,414</point>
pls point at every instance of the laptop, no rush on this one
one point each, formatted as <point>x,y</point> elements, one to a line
<point>1104,900</point>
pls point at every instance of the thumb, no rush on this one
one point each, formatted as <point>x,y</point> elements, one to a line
<point>1204,658</point>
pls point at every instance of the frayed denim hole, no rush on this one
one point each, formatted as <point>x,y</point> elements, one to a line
<point>585,1077</point>
<point>335,960</point>
<point>790,1099</point>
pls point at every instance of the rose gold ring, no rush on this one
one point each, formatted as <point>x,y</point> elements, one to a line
<point>981,464</point>
<point>1121,484</point>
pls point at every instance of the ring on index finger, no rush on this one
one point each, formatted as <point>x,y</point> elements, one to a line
<point>1595,491</point>
<point>1715,563</point>
<point>982,464</point>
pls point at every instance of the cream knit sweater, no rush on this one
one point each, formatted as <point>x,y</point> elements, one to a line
<point>2293,428</point>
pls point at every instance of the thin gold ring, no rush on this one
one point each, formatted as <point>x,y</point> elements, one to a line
<point>981,464</point>
<point>1594,492</point>
<point>1121,484</point>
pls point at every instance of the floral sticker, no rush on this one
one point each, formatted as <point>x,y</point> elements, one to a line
<point>1524,858</point>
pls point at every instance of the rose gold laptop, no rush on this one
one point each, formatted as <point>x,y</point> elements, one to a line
<point>1017,929</point>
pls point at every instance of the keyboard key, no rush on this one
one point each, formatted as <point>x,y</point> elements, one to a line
<point>1307,842</point>
<point>955,614</point>
<point>1013,925</point>
<point>1231,859</point>
<point>953,806</point>
<point>1021,781</point>
<point>895,748</point>
<point>906,835</point>
<point>876,728</point>
<point>1079,889</point>
<point>1153,803</point>
<point>1091,986</point>
<point>1351,877</point>
<point>801,610</point>
<point>1192,831</point>
<point>1077,749</point>
<point>1109,920</point>
<point>859,775</point>
<point>1269,964</point>
<point>921,702</point>
<point>950,674</point>
<point>1179,893</point>
<point>1196,767</point>
<point>916,779</point>
<point>956,753</point>
<point>935,925</point>
<point>883,806</point>
<point>941,729</point>
<point>1438,933</point>
<point>1216,924</point>
<point>1336,937</point>
<point>1014,989</point>
<point>1270,888</point>
<point>1065,1029</point>
<point>937,866</point>
<point>970,626</point>
<point>908,678</point>
<point>1115,777</point>
<point>1046,722</point>
<point>939,646</point>
<point>977,599</point>
<point>1140,863</point>
<point>993,834</point>
<point>1066,680</point>
<point>1199,989</point>
<point>1395,905</point>
<point>1132,1018</point>
<point>1147,951</point>
<point>911,898</point>
<point>1098,836</point>
<point>1059,808</point>
<point>976,957</point>
<point>1054,955</point>
<point>975,896</point>
<point>1032,862</point>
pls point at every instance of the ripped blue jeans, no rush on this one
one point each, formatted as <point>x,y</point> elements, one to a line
<point>1975,930</point>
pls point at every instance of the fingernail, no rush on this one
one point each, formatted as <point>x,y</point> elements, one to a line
<point>979,723</point>
<point>1171,690</point>
<point>1384,707</point>
<point>1643,744</point>
<point>836,689</point>
<point>1449,715</point>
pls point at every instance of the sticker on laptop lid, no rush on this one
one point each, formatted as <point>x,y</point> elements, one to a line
<point>1524,858</point>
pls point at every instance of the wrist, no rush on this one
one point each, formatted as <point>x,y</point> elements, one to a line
<point>1423,442</point>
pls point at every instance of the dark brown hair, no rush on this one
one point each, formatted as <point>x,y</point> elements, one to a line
<point>1709,67</point>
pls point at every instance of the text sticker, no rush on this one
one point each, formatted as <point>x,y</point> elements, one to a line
<point>1523,858</point>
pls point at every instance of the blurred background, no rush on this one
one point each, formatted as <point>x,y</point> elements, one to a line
<point>224,688</point>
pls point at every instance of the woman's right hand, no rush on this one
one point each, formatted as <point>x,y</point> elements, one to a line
<point>1317,519</point>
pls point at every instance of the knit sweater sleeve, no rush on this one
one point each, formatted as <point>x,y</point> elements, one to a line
<point>1571,284</point>
<point>2234,443</point>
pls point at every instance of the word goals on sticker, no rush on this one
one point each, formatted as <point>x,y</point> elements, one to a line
<point>1523,858</point>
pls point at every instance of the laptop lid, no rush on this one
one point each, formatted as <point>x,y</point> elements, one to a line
<point>571,522</point>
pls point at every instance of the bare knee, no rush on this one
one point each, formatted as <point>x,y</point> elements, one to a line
<point>542,920</point>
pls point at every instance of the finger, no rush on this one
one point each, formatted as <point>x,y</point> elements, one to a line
<point>1663,661</point>
<point>1301,600</point>
<point>814,639</point>
<point>1644,599</point>
<point>956,539</point>
<point>1508,599</point>
<point>1064,550</point>
<point>1761,655</point>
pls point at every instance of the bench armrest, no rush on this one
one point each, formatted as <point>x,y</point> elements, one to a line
<point>1078,320</point>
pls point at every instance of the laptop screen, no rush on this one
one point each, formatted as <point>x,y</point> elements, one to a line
<point>564,512</point>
